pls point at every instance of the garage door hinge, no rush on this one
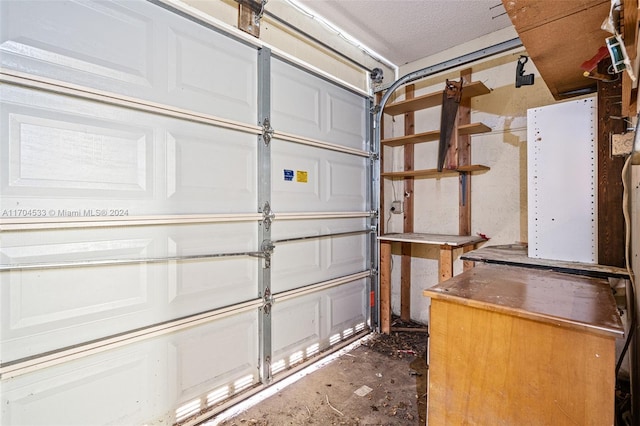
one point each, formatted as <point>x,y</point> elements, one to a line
<point>374,109</point>
<point>267,131</point>
<point>267,301</point>
<point>374,228</point>
<point>267,249</point>
<point>374,213</point>
<point>374,271</point>
<point>373,156</point>
<point>267,216</point>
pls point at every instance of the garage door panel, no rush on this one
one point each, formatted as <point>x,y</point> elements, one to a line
<point>346,307</point>
<point>146,54</point>
<point>296,328</point>
<point>224,74</point>
<point>77,156</point>
<point>116,388</point>
<point>77,304</point>
<point>309,106</point>
<point>346,118</point>
<point>222,353</point>
<point>311,323</point>
<point>141,383</point>
<point>70,157</point>
<point>302,262</point>
<point>296,264</point>
<point>48,34</point>
<point>212,283</point>
<point>322,180</point>
<point>211,167</point>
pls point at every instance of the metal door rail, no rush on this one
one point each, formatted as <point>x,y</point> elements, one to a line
<point>321,215</point>
<point>117,262</point>
<point>312,288</point>
<point>313,237</point>
<point>82,92</point>
<point>27,224</point>
<point>320,144</point>
<point>27,365</point>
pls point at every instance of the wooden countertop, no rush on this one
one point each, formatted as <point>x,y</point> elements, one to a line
<point>566,300</point>
<point>517,255</point>
<point>438,239</point>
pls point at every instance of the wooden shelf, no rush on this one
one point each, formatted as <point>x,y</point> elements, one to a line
<point>434,135</point>
<point>427,173</point>
<point>475,88</point>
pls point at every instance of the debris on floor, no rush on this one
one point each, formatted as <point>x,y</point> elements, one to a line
<point>382,382</point>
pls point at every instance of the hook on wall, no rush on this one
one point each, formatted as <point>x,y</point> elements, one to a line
<point>521,79</point>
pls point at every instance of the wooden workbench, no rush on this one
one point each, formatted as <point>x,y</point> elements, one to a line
<point>515,346</point>
<point>517,255</point>
<point>447,244</point>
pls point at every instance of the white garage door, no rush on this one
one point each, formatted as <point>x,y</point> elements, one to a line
<point>185,216</point>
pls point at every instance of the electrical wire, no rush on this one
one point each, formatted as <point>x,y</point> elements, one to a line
<point>632,307</point>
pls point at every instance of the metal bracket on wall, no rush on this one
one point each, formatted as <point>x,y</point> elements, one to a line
<point>249,15</point>
<point>267,131</point>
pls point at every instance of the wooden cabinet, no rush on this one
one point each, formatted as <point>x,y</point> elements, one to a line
<point>518,346</point>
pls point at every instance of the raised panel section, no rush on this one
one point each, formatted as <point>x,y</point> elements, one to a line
<point>209,72</point>
<point>296,326</point>
<point>147,54</point>
<point>212,283</point>
<point>303,262</point>
<point>208,166</point>
<point>141,383</point>
<point>322,180</point>
<point>68,157</point>
<point>65,154</point>
<point>310,106</point>
<point>221,353</point>
<point>43,38</point>
<point>47,309</point>
<point>123,386</point>
<point>346,114</point>
<point>346,307</point>
<point>309,324</point>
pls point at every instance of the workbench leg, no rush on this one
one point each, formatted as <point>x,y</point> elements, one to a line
<point>385,287</point>
<point>446,263</point>
<point>468,264</point>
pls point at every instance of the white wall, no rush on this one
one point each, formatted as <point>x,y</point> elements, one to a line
<point>498,196</point>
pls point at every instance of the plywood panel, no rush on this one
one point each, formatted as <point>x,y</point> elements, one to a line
<point>560,38</point>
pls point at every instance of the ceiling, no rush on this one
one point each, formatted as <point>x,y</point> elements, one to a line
<point>403,31</point>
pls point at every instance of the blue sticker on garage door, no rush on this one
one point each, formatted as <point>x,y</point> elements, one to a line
<point>288,174</point>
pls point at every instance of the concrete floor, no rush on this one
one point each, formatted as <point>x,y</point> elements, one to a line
<point>382,382</point>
